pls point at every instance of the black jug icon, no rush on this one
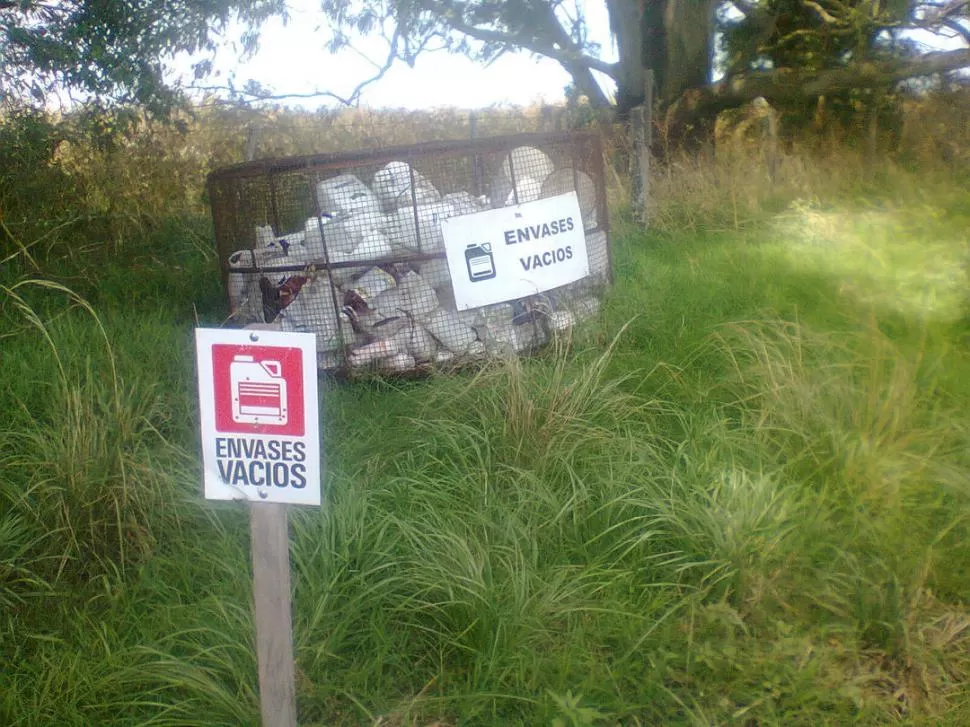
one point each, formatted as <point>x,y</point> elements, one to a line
<point>480,262</point>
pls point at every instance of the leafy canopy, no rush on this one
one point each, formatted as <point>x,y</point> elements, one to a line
<point>816,35</point>
<point>113,50</point>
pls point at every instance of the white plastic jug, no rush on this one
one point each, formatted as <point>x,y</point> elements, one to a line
<point>371,352</point>
<point>450,330</point>
<point>245,298</point>
<point>412,297</point>
<point>527,161</point>
<point>313,232</point>
<point>464,203</point>
<point>566,180</point>
<point>526,190</point>
<point>402,232</point>
<point>436,273</point>
<point>392,185</point>
<point>312,311</point>
<point>372,283</point>
<point>373,246</point>
<point>400,362</point>
<point>416,341</point>
<point>598,252</point>
<point>345,194</point>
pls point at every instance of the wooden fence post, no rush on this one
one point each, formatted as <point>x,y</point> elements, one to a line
<point>252,141</point>
<point>641,131</point>
<point>478,165</point>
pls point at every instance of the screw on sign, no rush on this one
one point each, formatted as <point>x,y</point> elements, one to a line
<point>260,443</point>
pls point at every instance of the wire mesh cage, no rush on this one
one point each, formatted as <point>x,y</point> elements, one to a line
<point>352,247</point>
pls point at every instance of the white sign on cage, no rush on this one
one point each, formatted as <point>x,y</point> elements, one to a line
<point>514,252</point>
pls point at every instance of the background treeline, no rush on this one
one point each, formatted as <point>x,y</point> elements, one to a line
<point>73,183</point>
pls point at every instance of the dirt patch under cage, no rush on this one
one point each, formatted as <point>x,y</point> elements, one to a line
<point>361,248</point>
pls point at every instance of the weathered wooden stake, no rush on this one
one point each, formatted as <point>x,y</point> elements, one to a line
<point>642,137</point>
<point>478,166</point>
<point>648,104</point>
<point>269,542</point>
<point>774,159</point>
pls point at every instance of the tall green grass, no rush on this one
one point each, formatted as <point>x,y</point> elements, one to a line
<point>739,498</point>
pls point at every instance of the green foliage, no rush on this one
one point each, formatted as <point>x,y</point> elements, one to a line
<point>110,51</point>
<point>814,36</point>
<point>84,473</point>
<point>789,35</point>
<point>28,176</point>
<point>580,113</point>
<point>87,176</point>
<point>75,190</point>
<point>572,714</point>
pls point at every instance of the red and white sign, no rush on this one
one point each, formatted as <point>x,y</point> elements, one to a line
<point>259,415</point>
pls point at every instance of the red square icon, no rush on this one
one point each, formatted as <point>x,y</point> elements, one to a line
<point>258,389</point>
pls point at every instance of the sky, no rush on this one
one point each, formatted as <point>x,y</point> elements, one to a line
<point>294,59</point>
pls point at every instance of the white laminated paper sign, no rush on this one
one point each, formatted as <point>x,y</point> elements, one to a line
<point>513,252</point>
<point>259,415</point>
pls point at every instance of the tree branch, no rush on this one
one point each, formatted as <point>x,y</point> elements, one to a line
<point>947,10</point>
<point>563,56</point>
<point>957,27</point>
<point>789,84</point>
<point>821,12</point>
<point>579,69</point>
<point>350,100</point>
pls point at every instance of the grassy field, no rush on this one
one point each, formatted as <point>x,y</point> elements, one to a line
<point>742,498</point>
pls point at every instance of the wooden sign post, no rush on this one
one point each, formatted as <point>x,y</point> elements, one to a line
<point>261,444</point>
<point>269,542</point>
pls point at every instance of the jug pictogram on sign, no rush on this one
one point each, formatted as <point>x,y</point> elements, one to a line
<point>480,262</point>
<point>258,391</point>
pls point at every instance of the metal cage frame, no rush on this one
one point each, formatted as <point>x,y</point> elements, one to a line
<point>265,191</point>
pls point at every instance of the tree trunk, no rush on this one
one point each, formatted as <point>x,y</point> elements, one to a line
<point>627,28</point>
<point>587,85</point>
<point>672,38</point>
<point>689,49</point>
